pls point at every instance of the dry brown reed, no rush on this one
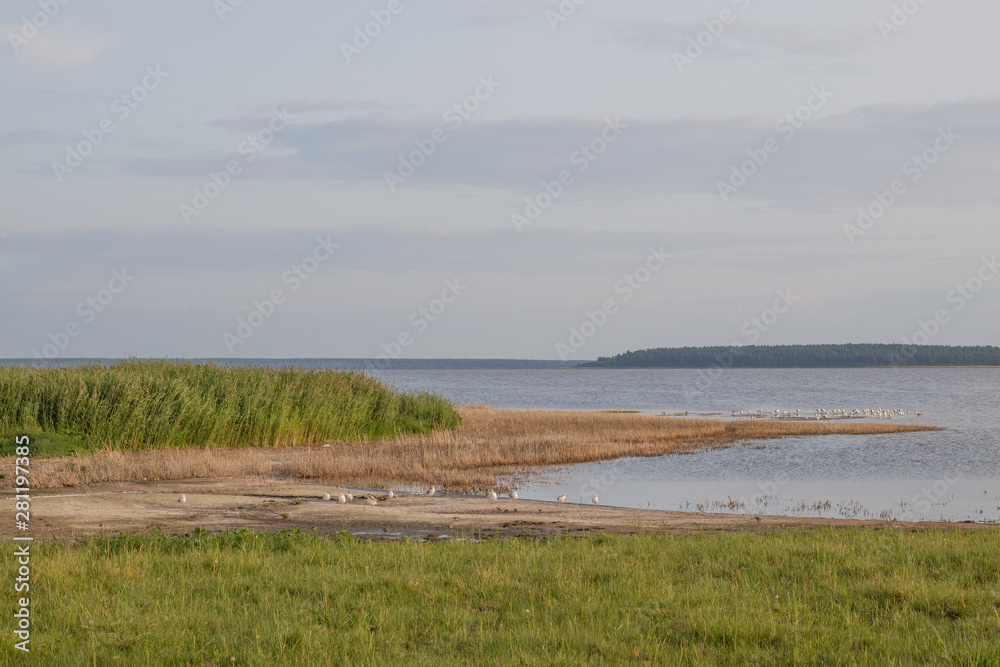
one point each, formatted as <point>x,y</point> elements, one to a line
<point>491,449</point>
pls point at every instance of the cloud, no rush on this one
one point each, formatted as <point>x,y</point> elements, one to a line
<point>28,138</point>
<point>385,249</point>
<point>396,250</point>
<point>833,160</point>
<point>495,13</point>
<point>64,47</point>
<point>329,104</point>
<point>804,47</point>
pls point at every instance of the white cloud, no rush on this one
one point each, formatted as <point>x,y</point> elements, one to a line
<point>64,47</point>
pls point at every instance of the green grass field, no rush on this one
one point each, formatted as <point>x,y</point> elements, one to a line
<point>834,597</point>
<point>160,404</point>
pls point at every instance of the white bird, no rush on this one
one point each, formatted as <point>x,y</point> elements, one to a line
<point>390,495</point>
<point>492,495</point>
<point>326,496</point>
<point>594,499</point>
<point>562,498</point>
<point>372,501</point>
<point>182,499</point>
<point>342,499</point>
<point>513,495</point>
<point>350,496</point>
<point>432,491</point>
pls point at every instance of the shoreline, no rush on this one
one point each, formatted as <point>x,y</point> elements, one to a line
<point>269,505</point>
<point>491,449</point>
<point>273,489</point>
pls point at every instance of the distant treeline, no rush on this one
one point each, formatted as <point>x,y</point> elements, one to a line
<point>803,356</point>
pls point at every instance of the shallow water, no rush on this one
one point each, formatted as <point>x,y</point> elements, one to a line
<point>951,475</point>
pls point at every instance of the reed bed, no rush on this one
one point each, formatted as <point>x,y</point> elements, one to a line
<point>138,405</point>
<point>491,449</point>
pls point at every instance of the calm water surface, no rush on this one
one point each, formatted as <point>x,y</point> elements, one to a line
<point>951,475</point>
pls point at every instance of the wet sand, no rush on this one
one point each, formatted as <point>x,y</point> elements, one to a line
<point>258,504</point>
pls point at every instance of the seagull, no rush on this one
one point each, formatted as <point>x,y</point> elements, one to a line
<point>372,501</point>
<point>432,491</point>
<point>562,498</point>
<point>594,499</point>
<point>326,496</point>
<point>183,499</point>
<point>513,495</point>
<point>342,499</point>
<point>492,495</point>
<point>350,496</point>
<point>390,495</point>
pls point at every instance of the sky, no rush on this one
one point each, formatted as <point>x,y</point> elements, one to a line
<point>495,178</point>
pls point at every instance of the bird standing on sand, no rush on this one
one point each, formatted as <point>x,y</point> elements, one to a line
<point>350,496</point>
<point>342,499</point>
<point>432,491</point>
<point>372,501</point>
<point>326,496</point>
<point>183,499</point>
<point>562,498</point>
<point>492,495</point>
<point>513,495</point>
<point>594,499</point>
<point>390,495</point>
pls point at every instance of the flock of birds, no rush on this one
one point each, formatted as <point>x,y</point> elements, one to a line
<point>371,498</point>
<point>840,413</point>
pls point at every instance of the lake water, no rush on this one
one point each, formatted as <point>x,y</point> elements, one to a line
<point>951,475</point>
